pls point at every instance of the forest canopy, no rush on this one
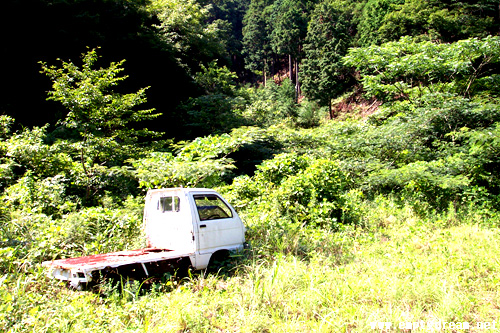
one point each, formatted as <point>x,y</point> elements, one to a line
<point>166,42</point>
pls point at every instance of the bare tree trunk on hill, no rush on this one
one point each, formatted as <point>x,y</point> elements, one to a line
<point>297,84</point>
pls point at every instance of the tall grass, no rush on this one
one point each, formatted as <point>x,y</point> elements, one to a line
<point>397,268</point>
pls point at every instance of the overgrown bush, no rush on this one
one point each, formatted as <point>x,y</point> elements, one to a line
<point>100,230</point>
<point>272,104</point>
<point>32,194</point>
<point>297,189</point>
<point>203,162</point>
<point>310,114</point>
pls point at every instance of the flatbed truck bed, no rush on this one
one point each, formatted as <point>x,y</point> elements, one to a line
<point>80,270</point>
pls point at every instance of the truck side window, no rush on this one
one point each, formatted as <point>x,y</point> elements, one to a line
<point>169,204</point>
<point>211,207</point>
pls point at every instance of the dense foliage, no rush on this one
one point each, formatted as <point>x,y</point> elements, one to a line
<point>256,39</point>
<point>313,118</point>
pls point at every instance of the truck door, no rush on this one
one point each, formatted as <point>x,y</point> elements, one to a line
<point>169,222</point>
<point>218,225</point>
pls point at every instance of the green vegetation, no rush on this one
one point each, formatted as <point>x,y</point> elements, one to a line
<point>398,268</point>
<point>358,140</point>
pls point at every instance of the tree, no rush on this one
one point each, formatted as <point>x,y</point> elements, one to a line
<point>408,68</point>
<point>232,12</point>
<point>372,18</point>
<point>328,37</point>
<point>124,29</point>
<point>185,26</point>
<point>216,111</point>
<point>256,37</point>
<point>289,28</point>
<point>216,80</point>
<point>388,20</point>
<point>203,162</point>
<point>101,118</point>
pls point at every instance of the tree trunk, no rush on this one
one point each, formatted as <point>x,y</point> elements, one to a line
<point>272,69</point>
<point>297,84</point>
<point>290,69</point>
<point>264,73</point>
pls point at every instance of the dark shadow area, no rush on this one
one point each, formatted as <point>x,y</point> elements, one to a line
<point>42,30</point>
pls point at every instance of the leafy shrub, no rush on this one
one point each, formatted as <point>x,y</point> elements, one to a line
<point>272,104</point>
<point>294,188</point>
<point>32,194</point>
<point>436,183</point>
<point>483,157</point>
<point>6,174</point>
<point>30,151</point>
<point>284,165</point>
<point>314,196</point>
<point>201,162</point>
<point>6,164</point>
<point>28,238</point>
<point>99,230</point>
<point>6,123</point>
<point>310,114</point>
<point>435,148</point>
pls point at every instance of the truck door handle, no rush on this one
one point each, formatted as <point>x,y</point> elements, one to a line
<point>203,225</point>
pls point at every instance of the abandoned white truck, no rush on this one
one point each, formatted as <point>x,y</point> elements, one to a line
<point>183,227</point>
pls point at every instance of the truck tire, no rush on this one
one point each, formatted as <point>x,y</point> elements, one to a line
<point>218,261</point>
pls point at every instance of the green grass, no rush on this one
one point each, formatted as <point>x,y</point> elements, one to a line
<point>397,268</point>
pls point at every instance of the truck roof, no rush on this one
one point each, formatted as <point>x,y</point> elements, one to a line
<point>181,189</point>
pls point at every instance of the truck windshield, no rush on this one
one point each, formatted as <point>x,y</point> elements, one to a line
<point>210,207</point>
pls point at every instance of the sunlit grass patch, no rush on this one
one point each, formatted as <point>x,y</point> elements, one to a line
<point>397,268</point>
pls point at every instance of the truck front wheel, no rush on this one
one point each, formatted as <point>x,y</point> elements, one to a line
<point>219,262</point>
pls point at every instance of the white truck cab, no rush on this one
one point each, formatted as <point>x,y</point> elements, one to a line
<point>197,221</point>
<point>183,226</point>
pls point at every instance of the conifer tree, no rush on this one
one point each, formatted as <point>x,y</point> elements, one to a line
<point>289,23</point>
<point>328,38</point>
<point>256,37</point>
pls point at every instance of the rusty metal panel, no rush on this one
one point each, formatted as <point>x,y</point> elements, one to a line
<point>113,259</point>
